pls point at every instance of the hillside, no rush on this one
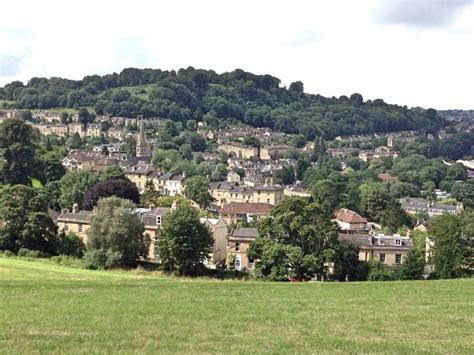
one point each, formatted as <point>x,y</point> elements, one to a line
<point>48,308</point>
<point>258,100</point>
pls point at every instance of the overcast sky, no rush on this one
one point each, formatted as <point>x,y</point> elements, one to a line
<point>408,52</point>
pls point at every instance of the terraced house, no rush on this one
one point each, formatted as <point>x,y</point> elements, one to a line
<point>224,193</point>
<point>388,249</point>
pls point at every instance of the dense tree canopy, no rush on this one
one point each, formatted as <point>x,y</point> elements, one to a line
<point>27,223</point>
<point>297,241</point>
<point>184,241</point>
<point>257,100</point>
<point>116,235</point>
<point>122,188</point>
<point>18,147</point>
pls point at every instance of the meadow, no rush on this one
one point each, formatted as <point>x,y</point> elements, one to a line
<point>46,308</point>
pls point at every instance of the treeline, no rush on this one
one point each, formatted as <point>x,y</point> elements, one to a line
<point>239,96</point>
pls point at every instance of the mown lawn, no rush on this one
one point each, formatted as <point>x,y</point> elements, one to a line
<point>46,308</point>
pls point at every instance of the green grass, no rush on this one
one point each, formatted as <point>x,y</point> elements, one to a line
<point>46,308</point>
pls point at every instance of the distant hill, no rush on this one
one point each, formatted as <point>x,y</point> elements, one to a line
<point>257,100</point>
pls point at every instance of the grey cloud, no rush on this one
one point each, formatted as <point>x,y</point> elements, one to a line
<point>10,65</point>
<point>420,13</point>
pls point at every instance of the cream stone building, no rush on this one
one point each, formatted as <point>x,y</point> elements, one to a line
<point>224,193</point>
<point>217,255</point>
<point>388,249</point>
<point>238,242</point>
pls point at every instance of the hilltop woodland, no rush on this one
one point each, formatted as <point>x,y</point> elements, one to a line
<point>237,96</point>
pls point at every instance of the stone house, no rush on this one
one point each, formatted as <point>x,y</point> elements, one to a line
<point>238,242</point>
<point>235,212</point>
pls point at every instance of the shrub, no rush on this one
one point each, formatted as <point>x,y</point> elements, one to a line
<point>102,259</point>
<point>8,253</point>
<point>70,244</point>
<point>67,260</point>
<point>23,252</point>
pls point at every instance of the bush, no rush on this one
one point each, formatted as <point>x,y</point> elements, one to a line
<point>23,252</point>
<point>70,244</point>
<point>8,253</point>
<point>379,272</point>
<point>102,259</point>
<point>70,261</point>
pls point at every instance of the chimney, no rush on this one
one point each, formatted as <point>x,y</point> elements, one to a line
<point>75,208</point>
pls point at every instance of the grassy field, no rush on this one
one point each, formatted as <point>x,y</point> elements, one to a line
<point>47,308</point>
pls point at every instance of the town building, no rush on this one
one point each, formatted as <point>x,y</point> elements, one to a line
<point>142,146</point>
<point>245,212</point>
<point>387,178</point>
<point>217,255</point>
<point>388,249</point>
<point>414,205</point>
<point>224,193</point>
<point>238,242</point>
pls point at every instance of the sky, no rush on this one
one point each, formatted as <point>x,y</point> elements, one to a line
<point>407,52</point>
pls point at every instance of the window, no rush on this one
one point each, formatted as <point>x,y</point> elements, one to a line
<point>158,219</point>
<point>382,258</point>
<point>398,258</point>
<point>237,246</point>
<point>268,200</point>
<point>237,262</point>
<point>79,228</point>
<point>398,242</point>
<point>66,227</point>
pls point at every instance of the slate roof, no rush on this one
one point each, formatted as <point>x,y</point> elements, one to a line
<point>245,233</point>
<point>78,217</point>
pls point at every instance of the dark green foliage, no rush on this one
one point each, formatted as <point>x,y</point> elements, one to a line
<point>27,223</point>
<point>257,100</point>
<point>285,175</point>
<point>184,241</point>
<point>412,267</point>
<point>18,149</point>
<point>297,241</point>
<point>115,237</point>
<point>74,184</point>
<point>122,188</point>
<point>454,245</point>
<point>70,244</point>
<point>198,191</point>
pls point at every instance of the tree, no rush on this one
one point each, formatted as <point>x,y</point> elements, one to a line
<point>27,223</point>
<point>453,245</point>
<point>184,241</point>
<point>75,141</point>
<point>298,240</point>
<point>84,116</point>
<point>74,184</point>
<point>116,236</point>
<point>393,216</point>
<point>374,200</point>
<point>54,169</point>
<point>122,188</point>
<point>197,190</point>
<point>220,172</point>
<point>65,118</point>
<point>297,86</point>
<point>464,191</point>
<point>412,267</point>
<point>286,175</point>
<point>18,146</point>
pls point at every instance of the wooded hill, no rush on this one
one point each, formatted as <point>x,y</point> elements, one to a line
<point>257,100</point>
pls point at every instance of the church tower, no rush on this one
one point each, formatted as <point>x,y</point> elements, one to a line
<point>142,147</point>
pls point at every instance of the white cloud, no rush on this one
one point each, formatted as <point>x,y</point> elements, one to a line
<point>334,47</point>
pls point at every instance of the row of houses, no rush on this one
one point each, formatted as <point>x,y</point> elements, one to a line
<point>415,205</point>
